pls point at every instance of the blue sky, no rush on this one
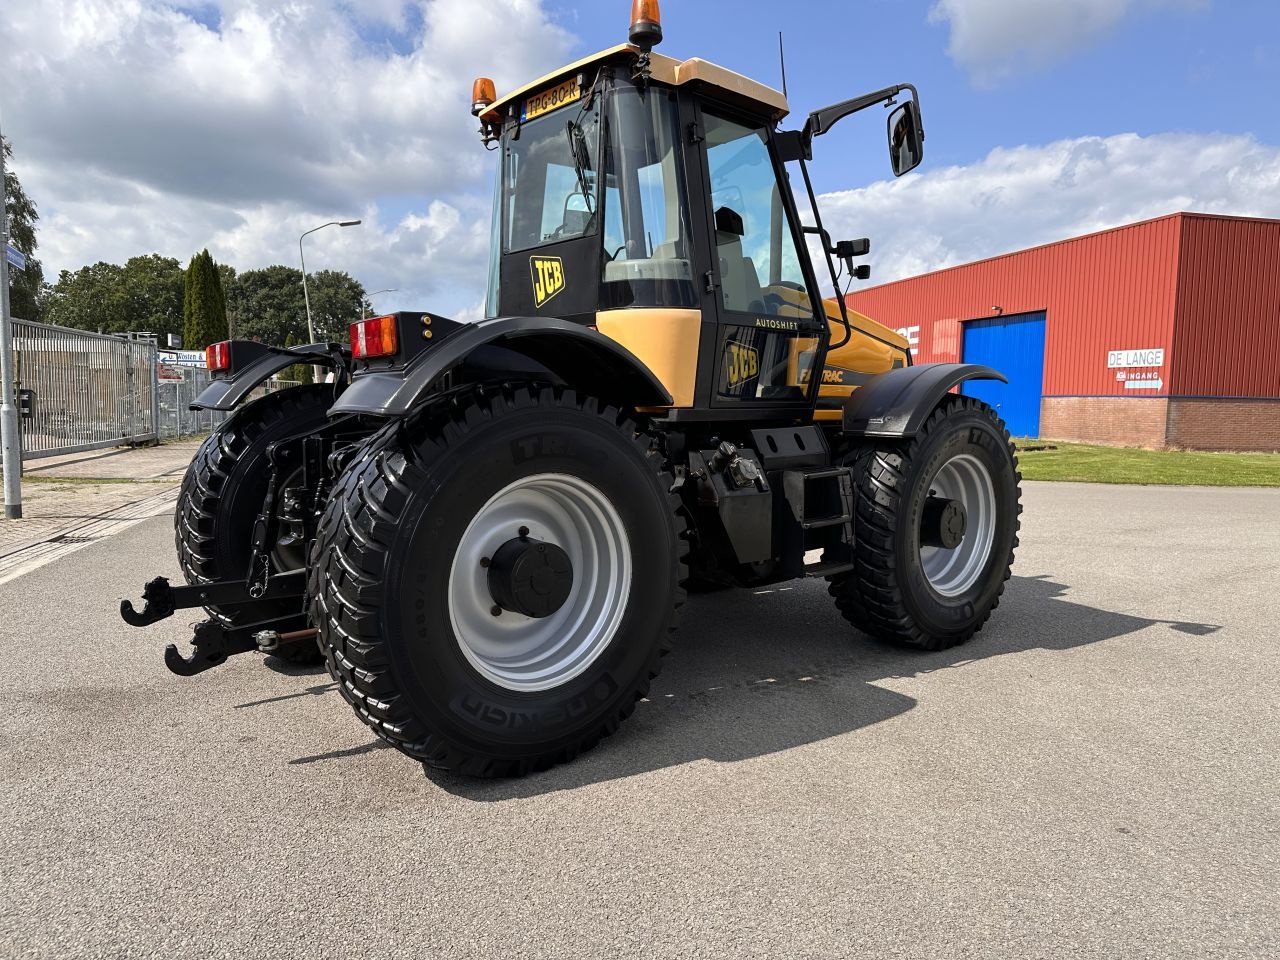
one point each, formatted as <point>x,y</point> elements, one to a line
<point>1175,67</point>
<point>236,124</point>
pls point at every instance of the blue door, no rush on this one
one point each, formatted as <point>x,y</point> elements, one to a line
<point>1014,346</point>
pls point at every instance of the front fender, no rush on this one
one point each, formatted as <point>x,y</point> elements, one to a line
<point>897,403</point>
<point>577,355</point>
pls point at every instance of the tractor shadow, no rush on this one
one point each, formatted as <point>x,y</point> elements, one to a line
<point>755,674</point>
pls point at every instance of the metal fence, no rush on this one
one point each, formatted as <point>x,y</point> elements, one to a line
<point>82,391</point>
<point>85,391</point>
<point>177,387</point>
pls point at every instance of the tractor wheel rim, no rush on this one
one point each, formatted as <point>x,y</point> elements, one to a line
<point>531,654</point>
<point>966,479</point>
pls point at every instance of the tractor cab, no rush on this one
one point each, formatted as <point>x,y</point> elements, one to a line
<point>649,198</point>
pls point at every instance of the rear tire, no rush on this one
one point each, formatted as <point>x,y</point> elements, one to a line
<point>223,491</point>
<point>907,592</point>
<point>409,621</point>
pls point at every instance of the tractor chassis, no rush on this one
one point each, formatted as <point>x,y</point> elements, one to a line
<point>307,463</point>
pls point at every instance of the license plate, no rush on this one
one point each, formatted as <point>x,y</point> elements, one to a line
<point>553,99</point>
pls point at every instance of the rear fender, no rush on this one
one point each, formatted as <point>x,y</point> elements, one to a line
<point>897,403</point>
<point>569,352</point>
<point>252,364</point>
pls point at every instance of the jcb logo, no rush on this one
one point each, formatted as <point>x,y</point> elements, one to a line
<point>548,278</point>
<point>741,363</point>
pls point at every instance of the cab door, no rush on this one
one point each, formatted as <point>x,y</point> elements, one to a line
<point>760,288</point>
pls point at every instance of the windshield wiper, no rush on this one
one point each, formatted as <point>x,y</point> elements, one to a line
<point>581,162</point>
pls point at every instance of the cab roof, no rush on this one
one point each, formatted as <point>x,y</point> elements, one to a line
<point>734,86</point>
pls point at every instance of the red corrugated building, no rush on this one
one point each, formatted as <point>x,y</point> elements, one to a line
<point>1164,333</point>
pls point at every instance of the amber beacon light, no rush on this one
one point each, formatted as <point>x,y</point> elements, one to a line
<point>646,24</point>
<point>483,93</point>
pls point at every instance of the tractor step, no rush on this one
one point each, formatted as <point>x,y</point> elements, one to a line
<point>827,568</point>
<point>833,521</point>
<point>820,502</point>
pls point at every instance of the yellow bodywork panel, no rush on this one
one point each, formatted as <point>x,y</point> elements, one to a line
<point>873,348</point>
<point>665,341</point>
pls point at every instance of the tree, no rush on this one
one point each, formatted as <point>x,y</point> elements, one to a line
<point>268,305</point>
<point>204,308</point>
<point>227,277</point>
<point>25,286</point>
<point>145,294</point>
<point>337,301</point>
<point>91,298</point>
<point>154,287</point>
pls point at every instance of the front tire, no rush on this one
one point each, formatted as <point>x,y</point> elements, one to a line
<point>927,574</point>
<point>437,657</point>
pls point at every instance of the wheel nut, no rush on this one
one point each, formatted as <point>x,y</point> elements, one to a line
<point>496,610</point>
<point>485,561</point>
<point>524,532</point>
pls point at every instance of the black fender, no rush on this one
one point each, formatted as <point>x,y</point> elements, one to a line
<point>252,364</point>
<point>573,353</point>
<point>897,403</point>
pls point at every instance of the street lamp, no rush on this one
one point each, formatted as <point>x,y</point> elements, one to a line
<point>368,300</point>
<point>317,371</point>
<point>306,297</point>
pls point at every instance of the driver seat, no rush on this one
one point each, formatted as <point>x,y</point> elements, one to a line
<point>741,283</point>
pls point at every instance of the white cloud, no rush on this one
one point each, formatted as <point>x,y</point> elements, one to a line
<point>139,128</point>
<point>1021,196</point>
<point>993,39</point>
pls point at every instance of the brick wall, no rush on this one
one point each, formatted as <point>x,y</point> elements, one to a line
<point>1110,421</point>
<point>1224,424</point>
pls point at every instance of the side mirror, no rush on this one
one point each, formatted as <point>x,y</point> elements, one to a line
<point>906,138</point>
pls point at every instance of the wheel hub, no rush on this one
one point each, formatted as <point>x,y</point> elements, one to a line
<point>543,616</point>
<point>943,524</point>
<point>958,525</point>
<point>530,577</point>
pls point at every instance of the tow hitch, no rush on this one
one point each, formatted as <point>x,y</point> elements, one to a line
<point>213,640</point>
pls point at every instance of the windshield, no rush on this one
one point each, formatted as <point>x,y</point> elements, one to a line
<point>549,178</point>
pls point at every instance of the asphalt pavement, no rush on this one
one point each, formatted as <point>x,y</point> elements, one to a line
<point>1094,776</point>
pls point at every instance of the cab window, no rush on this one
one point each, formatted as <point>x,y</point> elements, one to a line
<point>550,179</point>
<point>755,244</point>
<point>647,259</point>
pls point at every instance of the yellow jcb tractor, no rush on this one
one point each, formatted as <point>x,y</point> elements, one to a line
<point>486,530</point>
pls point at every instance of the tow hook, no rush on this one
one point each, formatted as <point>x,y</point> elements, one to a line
<point>214,641</point>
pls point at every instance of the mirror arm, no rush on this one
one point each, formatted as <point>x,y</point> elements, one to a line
<point>821,231</point>
<point>821,121</point>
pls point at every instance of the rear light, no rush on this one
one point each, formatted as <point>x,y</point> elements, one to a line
<point>374,338</point>
<point>217,356</point>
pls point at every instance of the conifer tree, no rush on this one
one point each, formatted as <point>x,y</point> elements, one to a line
<point>204,307</point>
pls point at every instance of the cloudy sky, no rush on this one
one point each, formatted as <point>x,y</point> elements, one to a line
<point>149,126</point>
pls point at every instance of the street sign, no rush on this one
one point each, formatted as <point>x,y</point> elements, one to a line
<point>182,358</point>
<point>15,257</point>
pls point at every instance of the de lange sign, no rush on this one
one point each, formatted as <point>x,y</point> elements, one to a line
<point>1152,357</point>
